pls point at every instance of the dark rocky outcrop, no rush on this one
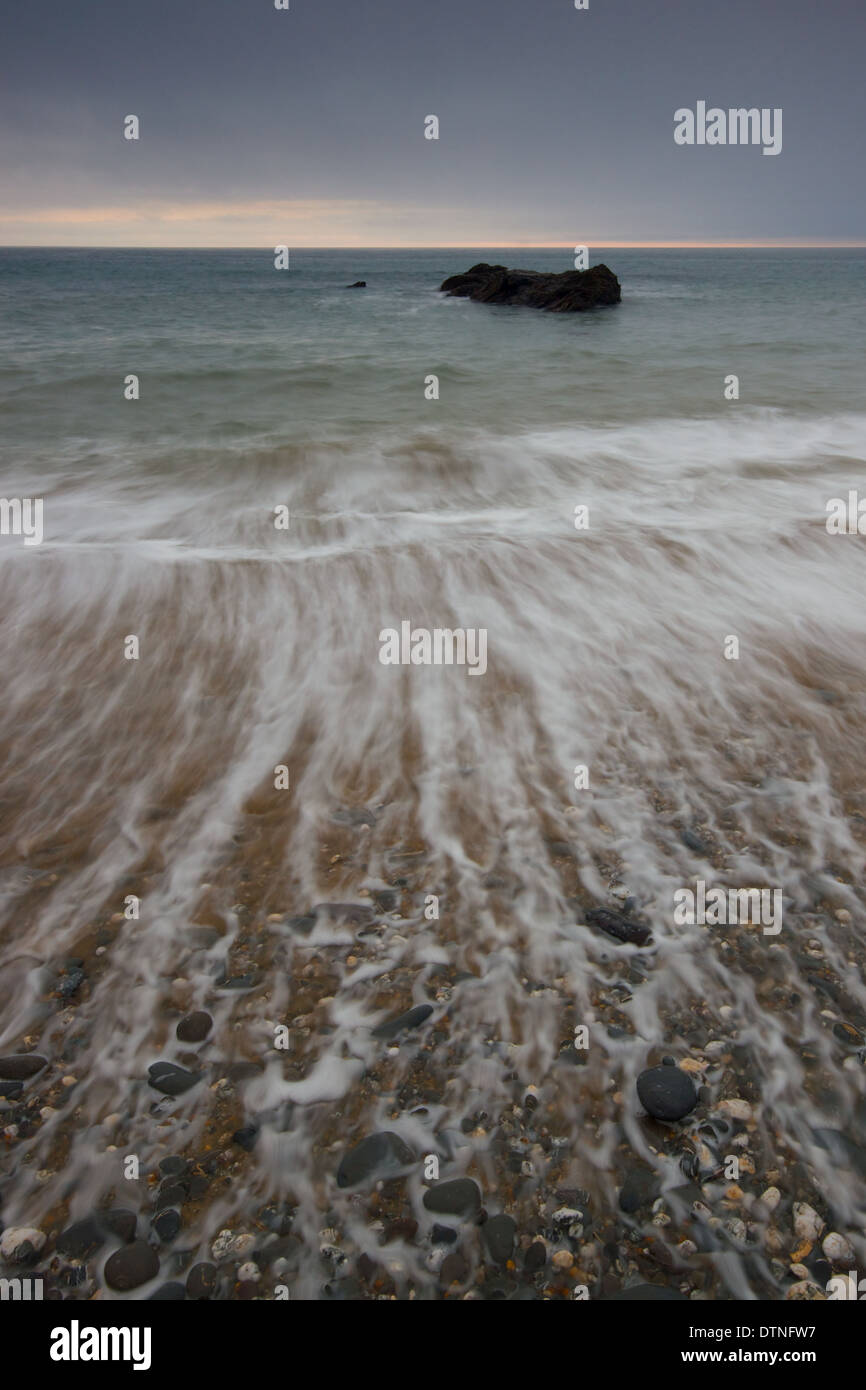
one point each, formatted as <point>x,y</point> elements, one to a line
<point>358,285</point>
<point>570,292</point>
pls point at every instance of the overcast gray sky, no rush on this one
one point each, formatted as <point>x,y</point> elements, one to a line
<point>307,126</point>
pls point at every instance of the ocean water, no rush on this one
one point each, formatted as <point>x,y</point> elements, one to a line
<point>152,781</point>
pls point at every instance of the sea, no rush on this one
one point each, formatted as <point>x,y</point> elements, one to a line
<point>217,797</point>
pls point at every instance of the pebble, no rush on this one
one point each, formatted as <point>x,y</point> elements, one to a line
<point>807,1223</point>
<point>458,1197</point>
<point>228,1245</point>
<point>201,1281</point>
<point>21,1243</point>
<point>837,1249</point>
<point>771,1198</point>
<point>805,1291</point>
<point>666,1093</point>
<point>131,1266</point>
<point>413,1018</point>
<point>736,1109</point>
<point>499,1233</point>
<point>562,1259</point>
<point>379,1155</point>
<point>195,1027</point>
<point>170,1079</point>
<point>21,1066</point>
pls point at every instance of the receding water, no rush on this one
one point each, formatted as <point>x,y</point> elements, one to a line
<point>154,779</point>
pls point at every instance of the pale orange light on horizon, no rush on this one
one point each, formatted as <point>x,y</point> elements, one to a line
<point>324,224</point>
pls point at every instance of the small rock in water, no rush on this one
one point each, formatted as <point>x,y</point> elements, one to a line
<point>458,1197</point>
<point>21,1066</point>
<point>837,1249</point>
<point>201,1281</point>
<point>807,1223</point>
<point>378,1156</point>
<point>195,1027</point>
<point>666,1093</point>
<point>619,926</point>
<point>358,285</point>
<point>131,1266</point>
<point>413,1018</point>
<point>499,1233</point>
<point>167,1224</point>
<point>246,1137</point>
<point>170,1079</point>
<point>19,1244</point>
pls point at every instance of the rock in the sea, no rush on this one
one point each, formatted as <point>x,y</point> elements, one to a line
<point>570,292</point>
<point>380,1155</point>
<point>131,1266</point>
<point>358,285</point>
<point>170,1079</point>
<point>21,1066</point>
<point>458,1197</point>
<point>413,1018</point>
<point>666,1093</point>
<point>19,1244</point>
<point>195,1027</point>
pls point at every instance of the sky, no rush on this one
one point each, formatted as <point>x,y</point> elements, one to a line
<point>306,127</point>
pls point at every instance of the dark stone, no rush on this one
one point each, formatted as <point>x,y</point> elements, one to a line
<point>304,925</point>
<point>131,1266</point>
<point>173,1166</point>
<point>171,1194</point>
<point>201,1281</point>
<point>413,1018</point>
<point>170,1079</point>
<point>459,1197</point>
<point>195,1027</point>
<point>347,914</point>
<point>246,1138</point>
<point>570,292</point>
<point>168,1293</point>
<point>358,285</point>
<point>119,1222</point>
<point>378,1156</point>
<point>167,1224</point>
<point>82,1238</point>
<point>536,1257</point>
<point>693,841</point>
<point>619,925</point>
<point>11,1090</point>
<point>443,1235</point>
<point>640,1188</point>
<point>21,1066</point>
<point>666,1093</point>
<point>69,982</point>
<point>499,1233</point>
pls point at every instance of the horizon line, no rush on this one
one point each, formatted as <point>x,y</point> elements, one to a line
<point>758,244</point>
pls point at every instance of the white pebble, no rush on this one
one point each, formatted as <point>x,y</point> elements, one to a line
<point>13,1241</point>
<point>837,1249</point>
<point>807,1223</point>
